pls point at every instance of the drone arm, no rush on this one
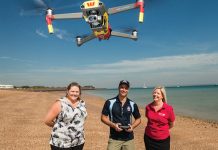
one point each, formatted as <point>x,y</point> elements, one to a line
<point>124,35</point>
<point>139,4</point>
<point>122,8</point>
<point>83,40</point>
<point>50,17</point>
<point>69,16</point>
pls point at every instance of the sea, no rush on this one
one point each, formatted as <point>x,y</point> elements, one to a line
<point>200,102</point>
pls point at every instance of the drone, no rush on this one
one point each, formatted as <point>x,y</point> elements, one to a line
<point>96,15</point>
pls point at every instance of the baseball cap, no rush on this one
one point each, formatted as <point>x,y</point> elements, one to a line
<point>124,82</point>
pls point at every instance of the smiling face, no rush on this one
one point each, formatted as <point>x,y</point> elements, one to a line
<point>157,95</point>
<point>123,90</point>
<point>73,93</point>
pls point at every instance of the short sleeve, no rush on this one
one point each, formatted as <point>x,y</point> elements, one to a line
<point>105,110</point>
<point>136,112</point>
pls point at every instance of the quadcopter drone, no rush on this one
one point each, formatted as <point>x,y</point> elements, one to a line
<point>97,16</point>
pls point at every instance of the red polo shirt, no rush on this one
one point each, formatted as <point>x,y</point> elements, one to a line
<point>158,122</point>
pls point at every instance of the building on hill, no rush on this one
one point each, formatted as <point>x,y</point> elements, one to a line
<point>88,87</point>
<point>3,86</point>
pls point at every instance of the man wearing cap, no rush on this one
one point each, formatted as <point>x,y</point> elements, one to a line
<point>117,114</point>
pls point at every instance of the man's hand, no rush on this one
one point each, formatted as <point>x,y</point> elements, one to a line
<point>117,128</point>
<point>130,129</point>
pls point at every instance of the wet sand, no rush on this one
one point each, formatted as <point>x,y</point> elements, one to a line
<point>22,128</point>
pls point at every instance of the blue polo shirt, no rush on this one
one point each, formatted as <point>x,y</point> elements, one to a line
<point>121,115</point>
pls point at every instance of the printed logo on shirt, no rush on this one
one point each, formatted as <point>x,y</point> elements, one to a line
<point>161,114</point>
<point>128,108</point>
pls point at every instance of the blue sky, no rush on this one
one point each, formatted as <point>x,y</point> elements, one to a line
<point>177,45</point>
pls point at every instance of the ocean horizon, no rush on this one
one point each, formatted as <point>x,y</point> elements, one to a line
<point>198,102</point>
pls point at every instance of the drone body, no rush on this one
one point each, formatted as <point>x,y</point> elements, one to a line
<point>96,15</point>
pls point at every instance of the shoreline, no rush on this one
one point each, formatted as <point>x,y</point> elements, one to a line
<point>180,115</point>
<point>22,126</point>
<point>140,106</point>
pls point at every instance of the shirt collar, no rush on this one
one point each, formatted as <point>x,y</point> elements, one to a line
<point>118,100</point>
<point>163,107</point>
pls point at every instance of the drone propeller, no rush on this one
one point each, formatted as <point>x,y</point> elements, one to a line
<point>34,7</point>
<point>41,4</point>
<point>38,7</point>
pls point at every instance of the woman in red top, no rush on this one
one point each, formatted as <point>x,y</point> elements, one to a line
<point>161,118</point>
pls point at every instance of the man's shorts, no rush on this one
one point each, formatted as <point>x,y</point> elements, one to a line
<point>120,145</point>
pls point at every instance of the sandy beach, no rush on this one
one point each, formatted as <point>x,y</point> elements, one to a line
<point>22,128</point>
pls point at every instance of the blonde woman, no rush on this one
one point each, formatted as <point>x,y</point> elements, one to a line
<point>161,118</point>
<point>66,117</point>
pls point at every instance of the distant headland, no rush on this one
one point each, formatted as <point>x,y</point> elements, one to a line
<point>43,88</point>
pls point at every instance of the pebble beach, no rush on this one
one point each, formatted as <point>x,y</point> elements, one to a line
<point>22,127</point>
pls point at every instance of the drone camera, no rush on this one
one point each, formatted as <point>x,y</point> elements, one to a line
<point>93,12</point>
<point>92,18</point>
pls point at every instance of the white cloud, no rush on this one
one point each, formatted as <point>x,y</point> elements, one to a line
<point>168,70</point>
<point>22,12</point>
<point>58,33</point>
<point>41,33</point>
<point>62,34</point>
<point>40,3</point>
<point>151,64</point>
<point>4,57</point>
<point>15,59</point>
